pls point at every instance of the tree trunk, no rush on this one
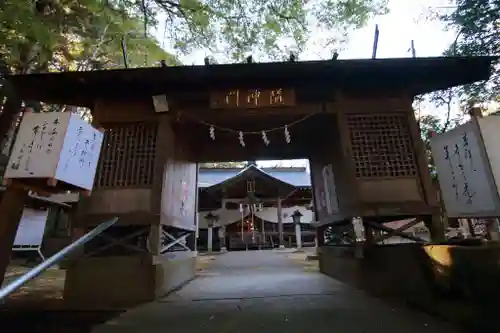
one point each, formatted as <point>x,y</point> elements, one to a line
<point>12,106</point>
<point>10,111</point>
<point>11,210</point>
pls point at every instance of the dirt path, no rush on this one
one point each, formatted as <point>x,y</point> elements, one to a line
<point>38,306</point>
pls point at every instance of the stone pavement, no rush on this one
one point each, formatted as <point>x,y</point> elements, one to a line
<point>264,291</point>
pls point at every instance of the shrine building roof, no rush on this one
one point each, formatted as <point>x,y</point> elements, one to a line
<point>410,75</point>
<point>295,176</point>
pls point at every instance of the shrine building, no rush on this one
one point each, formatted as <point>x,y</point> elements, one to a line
<point>253,208</point>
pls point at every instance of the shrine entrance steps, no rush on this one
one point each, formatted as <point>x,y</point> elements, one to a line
<point>269,291</point>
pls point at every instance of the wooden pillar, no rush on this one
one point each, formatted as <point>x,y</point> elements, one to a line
<point>369,236</point>
<point>154,246</point>
<point>435,226</point>
<point>281,241</point>
<point>10,110</point>
<point>191,241</point>
<point>11,211</point>
<point>320,236</point>
<point>75,230</point>
<point>12,204</point>
<point>108,280</point>
<point>492,229</point>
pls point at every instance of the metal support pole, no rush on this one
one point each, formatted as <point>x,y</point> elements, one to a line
<point>34,272</point>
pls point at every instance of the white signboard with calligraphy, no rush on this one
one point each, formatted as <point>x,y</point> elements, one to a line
<point>464,170</point>
<point>55,146</point>
<point>29,236</point>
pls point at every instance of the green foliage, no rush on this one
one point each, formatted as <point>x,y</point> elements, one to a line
<point>477,23</point>
<point>40,35</point>
<point>23,34</point>
<point>432,123</point>
<point>239,27</point>
<point>72,35</point>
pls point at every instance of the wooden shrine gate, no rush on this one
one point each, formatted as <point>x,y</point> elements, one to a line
<point>353,119</point>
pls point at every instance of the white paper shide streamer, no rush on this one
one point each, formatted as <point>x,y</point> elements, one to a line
<point>242,139</point>
<point>288,138</point>
<point>212,133</point>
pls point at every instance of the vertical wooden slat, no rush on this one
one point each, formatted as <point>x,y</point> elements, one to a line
<point>150,163</point>
<point>114,146</point>
<point>122,151</point>
<point>100,166</point>
<point>127,157</point>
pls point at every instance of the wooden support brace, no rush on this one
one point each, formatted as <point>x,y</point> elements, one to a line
<point>119,242</point>
<point>400,229</point>
<point>52,182</point>
<point>394,232</point>
<point>178,241</point>
<point>39,191</point>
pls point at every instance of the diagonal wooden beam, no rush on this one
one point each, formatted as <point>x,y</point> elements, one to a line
<point>118,242</point>
<point>174,242</point>
<point>393,232</point>
<point>400,229</point>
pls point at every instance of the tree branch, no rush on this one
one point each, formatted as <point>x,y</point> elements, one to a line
<point>448,115</point>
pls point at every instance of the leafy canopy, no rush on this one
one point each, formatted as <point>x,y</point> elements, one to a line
<point>239,27</point>
<point>37,35</point>
<point>477,27</point>
<point>46,35</point>
<point>477,23</point>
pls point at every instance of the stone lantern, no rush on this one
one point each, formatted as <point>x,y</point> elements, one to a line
<point>296,216</point>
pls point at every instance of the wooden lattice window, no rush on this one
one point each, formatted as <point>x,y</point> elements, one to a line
<point>381,145</point>
<point>128,155</point>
